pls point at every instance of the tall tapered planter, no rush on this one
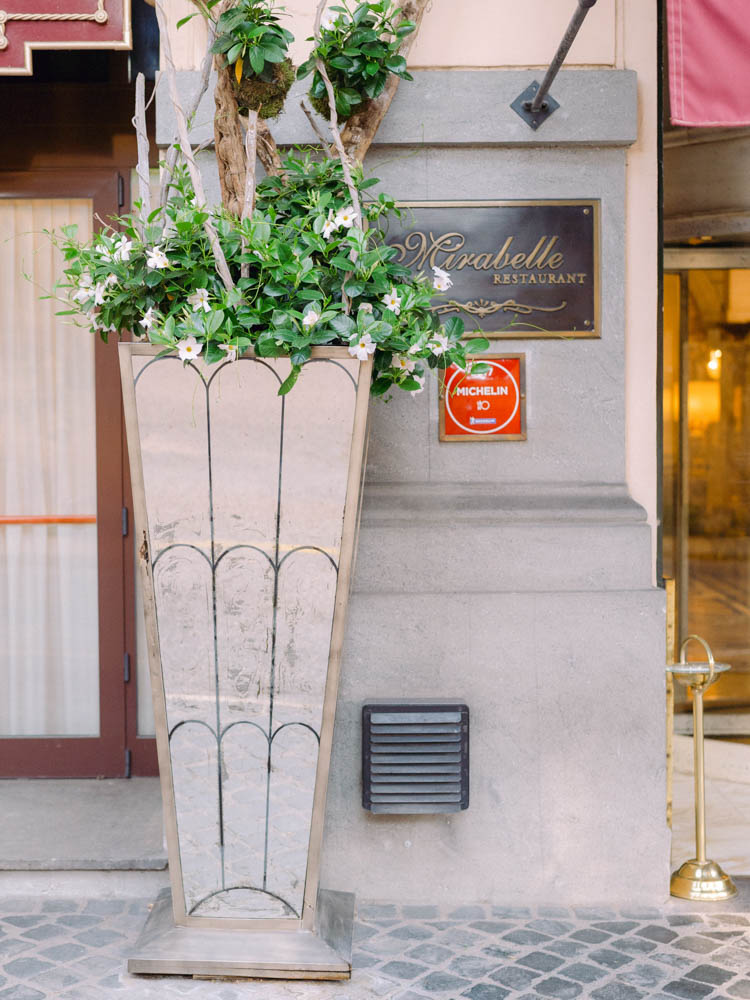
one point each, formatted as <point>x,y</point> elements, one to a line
<point>246,508</point>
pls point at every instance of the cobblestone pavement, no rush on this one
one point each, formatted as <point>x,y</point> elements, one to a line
<point>76,949</point>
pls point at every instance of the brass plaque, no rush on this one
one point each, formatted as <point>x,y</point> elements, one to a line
<point>519,268</point>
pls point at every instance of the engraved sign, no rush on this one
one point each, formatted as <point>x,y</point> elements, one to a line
<point>519,268</point>
<point>484,406</point>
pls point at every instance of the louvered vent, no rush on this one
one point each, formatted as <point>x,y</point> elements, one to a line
<point>415,756</point>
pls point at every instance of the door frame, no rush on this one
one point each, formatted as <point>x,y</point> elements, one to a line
<point>109,754</point>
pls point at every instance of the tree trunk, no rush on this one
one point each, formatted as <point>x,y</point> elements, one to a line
<point>360,129</point>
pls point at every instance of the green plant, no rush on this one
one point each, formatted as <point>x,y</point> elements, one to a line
<point>297,249</point>
<point>359,49</point>
<point>251,39</point>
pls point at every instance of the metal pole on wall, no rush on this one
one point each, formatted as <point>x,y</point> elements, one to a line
<point>533,104</point>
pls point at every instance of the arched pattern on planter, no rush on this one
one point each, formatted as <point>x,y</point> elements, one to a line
<point>246,750</point>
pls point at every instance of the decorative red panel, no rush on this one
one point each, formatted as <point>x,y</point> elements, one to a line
<point>59,24</point>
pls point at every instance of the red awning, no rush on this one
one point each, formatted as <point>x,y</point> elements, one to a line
<point>709,62</point>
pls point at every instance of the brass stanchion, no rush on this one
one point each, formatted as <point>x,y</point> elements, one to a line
<point>699,878</point>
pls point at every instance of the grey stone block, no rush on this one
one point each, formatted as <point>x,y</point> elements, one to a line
<point>541,961</point>
<point>486,991</point>
<point>472,966</point>
<point>442,982</point>
<point>561,989</point>
<point>566,948</point>
<point>21,992</point>
<point>609,958</point>
<point>617,991</point>
<point>740,989</point>
<point>700,945</point>
<point>433,954</point>
<point>23,968</point>
<point>515,977</point>
<point>403,970</point>
<point>655,933</point>
<point>432,110</point>
<point>583,973</point>
<point>710,974</point>
<point>591,936</point>
<point>688,989</point>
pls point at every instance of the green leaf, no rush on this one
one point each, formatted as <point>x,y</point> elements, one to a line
<point>454,328</point>
<point>256,59</point>
<point>477,344</point>
<point>340,62</point>
<point>343,325</point>
<point>184,20</point>
<point>354,288</point>
<point>380,386</point>
<point>234,53</point>
<point>289,381</point>
<point>396,64</point>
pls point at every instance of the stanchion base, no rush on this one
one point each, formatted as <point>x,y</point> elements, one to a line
<point>704,882</point>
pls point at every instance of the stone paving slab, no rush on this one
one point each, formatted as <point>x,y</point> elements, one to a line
<point>76,949</point>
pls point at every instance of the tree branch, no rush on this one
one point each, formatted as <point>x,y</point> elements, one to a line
<point>171,158</point>
<point>142,170</point>
<point>360,129</point>
<point>268,153</point>
<point>228,143</point>
<point>187,150</point>
<point>334,120</point>
<point>251,153</point>
<point>315,127</point>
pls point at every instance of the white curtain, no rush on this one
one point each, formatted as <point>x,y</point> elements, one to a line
<point>49,644</point>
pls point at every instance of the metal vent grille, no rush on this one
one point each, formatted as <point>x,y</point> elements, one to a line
<point>415,756</point>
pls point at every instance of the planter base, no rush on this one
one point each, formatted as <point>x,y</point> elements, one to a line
<point>165,948</point>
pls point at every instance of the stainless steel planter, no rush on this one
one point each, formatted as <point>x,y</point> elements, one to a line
<point>246,510</point>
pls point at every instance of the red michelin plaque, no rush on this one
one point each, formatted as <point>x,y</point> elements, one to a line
<point>59,24</point>
<point>484,406</point>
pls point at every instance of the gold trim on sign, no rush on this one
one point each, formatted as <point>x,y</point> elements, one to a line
<point>484,307</point>
<point>99,16</point>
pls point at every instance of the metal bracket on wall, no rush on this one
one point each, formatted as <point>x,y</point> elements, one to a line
<point>534,104</point>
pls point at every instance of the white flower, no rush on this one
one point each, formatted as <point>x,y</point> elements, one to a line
<point>157,259</point>
<point>364,347</point>
<point>329,19</point>
<point>85,288</point>
<point>346,217</point>
<point>231,351</point>
<point>199,300</point>
<point>148,319</point>
<point>392,302</point>
<point>420,379</point>
<point>441,281</point>
<point>402,363</point>
<point>99,294</point>
<point>439,344</point>
<point>310,318</point>
<point>189,348</point>
<point>366,307</point>
<point>122,250</point>
<point>329,226</point>
<point>110,280</point>
<point>105,251</point>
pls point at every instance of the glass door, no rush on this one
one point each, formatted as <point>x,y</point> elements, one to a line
<point>706,452</point>
<point>62,595</point>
